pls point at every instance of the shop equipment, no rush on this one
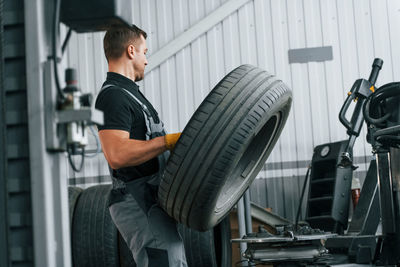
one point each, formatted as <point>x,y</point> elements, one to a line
<point>330,187</point>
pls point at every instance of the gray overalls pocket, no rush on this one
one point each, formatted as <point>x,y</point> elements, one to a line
<point>143,191</point>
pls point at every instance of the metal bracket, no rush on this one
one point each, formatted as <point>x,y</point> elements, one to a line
<point>93,116</point>
<point>56,120</point>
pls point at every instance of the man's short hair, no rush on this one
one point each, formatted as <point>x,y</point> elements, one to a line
<point>118,38</point>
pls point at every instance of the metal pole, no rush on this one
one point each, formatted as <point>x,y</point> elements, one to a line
<point>386,193</point>
<point>242,227</point>
<point>388,253</point>
<point>49,192</point>
<point>247,212</point>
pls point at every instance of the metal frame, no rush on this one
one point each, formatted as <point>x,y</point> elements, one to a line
<point>242,227</point>
<point>56,137</point>
<point>366,215</point>
<point>4,248</point>
<point>385,190</point>
<point>267,217</point>
<point>244,213</point>
<point>193,33</point>
<point>50,215</point>
<point>390,211</point>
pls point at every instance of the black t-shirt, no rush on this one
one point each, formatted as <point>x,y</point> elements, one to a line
<point>121,112</point>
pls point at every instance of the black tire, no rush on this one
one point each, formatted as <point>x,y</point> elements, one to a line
<point>211,248</point>
<point>224,146</point>
<point>73,195</point>
<point>94,236</point>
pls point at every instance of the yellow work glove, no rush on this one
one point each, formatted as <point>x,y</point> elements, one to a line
<point>171,139</point>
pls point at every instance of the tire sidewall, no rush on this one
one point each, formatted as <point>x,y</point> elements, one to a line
<point>282,106</point>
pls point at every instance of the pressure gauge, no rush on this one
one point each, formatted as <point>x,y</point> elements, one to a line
<point>325,151</point>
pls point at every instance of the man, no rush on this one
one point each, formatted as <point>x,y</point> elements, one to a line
<point>136,147</point>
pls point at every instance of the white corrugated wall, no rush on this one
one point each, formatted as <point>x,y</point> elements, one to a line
<point>260,32</point>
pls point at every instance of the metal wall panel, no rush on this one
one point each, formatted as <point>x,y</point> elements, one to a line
<point>4,228</point>
<point>260,32</point>
<point>16,220</point>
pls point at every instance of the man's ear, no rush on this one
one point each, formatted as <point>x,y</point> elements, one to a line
<point>131,51</point>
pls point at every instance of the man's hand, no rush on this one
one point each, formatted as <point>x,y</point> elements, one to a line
<point>171,139</point>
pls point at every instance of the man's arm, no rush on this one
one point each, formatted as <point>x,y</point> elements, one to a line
<point>120,151</point>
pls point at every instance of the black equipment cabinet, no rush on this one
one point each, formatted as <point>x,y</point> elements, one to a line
<point>95,15</point>
<point>330,189</point>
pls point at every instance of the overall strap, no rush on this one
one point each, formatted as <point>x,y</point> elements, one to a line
<point>153,130</point>
<point>148,118</point>
<point>146,113</point>
<point>144,107</point>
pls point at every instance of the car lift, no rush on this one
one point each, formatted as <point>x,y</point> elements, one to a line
<point>361,243</point>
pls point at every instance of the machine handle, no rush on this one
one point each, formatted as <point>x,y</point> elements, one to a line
<point>376,67</point>
<point>345,107</point>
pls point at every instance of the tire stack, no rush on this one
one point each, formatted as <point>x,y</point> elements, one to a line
<point>96,241</point>
<point>94,237</point>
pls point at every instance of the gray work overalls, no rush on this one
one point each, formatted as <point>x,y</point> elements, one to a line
<point>149,232</point>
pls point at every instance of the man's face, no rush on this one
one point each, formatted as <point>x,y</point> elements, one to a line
<point>140,60</point>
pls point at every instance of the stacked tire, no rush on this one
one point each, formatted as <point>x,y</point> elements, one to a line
<point>96,242</point>
<point>211,248</point>
<point>94,237</point>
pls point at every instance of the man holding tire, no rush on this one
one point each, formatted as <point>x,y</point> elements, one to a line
<point>136,148</point>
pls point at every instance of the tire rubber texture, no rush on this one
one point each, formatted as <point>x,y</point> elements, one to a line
<point>210,248</point>
<point>94,236</point>
<point>224,146</point>
<point>73,196</point>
